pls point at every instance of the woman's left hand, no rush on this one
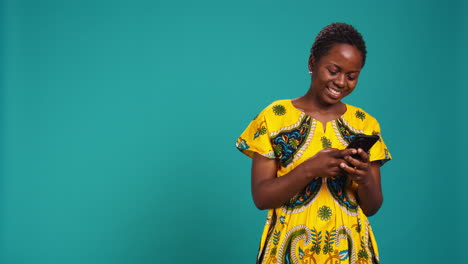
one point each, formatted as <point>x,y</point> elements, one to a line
<point>367,175</point>
<point>358,169</point>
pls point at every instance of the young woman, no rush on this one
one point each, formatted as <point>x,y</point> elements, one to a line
<point>318,196</point>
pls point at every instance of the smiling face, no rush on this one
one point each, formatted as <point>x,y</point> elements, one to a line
<point>336,74</point>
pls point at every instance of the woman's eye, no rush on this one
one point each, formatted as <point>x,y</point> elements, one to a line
<point>352,77</point>
<point>332,72</point>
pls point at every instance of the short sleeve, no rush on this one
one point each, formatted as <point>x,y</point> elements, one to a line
<point>379,152</point>
<point>255,138</point>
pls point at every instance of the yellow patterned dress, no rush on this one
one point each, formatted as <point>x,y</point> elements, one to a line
<point>323,223</point>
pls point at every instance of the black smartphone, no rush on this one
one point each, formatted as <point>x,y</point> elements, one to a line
<point>365,142</point>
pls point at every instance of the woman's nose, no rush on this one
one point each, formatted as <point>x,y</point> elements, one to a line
<point>340,80</point>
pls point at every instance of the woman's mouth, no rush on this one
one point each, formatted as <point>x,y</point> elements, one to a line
<point>334,93</point>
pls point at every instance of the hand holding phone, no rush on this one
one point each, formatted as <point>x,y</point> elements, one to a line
<point>364,142</point>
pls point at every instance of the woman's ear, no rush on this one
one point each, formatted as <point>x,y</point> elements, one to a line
<point>311,63</point>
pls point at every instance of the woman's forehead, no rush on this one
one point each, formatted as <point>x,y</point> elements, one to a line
<point>343,56</point>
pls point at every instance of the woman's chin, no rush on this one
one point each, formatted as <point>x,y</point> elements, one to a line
<point>331,101</point>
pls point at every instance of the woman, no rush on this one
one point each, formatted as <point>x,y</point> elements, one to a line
<point>318,196</point>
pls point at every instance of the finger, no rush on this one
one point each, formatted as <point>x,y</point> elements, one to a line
<point>354,171</point>
<point>335,153</point>
<point>348,169</point>
<point>363,154</point>
<point>353,162</point>
<point>360,167</point>
<point>346,152</point>
<point>338,161</point>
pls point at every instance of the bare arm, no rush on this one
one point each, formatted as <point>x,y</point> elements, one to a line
<point>367,175</point>
<point>269,191</point>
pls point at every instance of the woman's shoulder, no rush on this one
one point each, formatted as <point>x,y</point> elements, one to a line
<point>280,114</point>
<point>278,108</point>
<point>359,117</point>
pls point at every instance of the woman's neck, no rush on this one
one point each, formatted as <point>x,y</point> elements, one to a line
<point>311,103</point>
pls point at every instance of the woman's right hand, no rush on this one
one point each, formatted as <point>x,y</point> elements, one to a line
<point>326,163</point>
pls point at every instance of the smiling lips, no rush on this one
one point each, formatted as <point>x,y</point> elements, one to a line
<point>334,93</point>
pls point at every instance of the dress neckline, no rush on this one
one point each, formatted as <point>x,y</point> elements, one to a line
<point>324,125</point>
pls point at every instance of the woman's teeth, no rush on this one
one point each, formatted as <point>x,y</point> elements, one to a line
<point>335,92</point>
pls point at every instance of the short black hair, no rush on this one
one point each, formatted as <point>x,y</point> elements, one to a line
<point>337,33</point>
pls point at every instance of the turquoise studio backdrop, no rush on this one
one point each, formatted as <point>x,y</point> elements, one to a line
<point>119,118</point>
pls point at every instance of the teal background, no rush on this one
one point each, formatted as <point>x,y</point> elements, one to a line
<point>119,119</point>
